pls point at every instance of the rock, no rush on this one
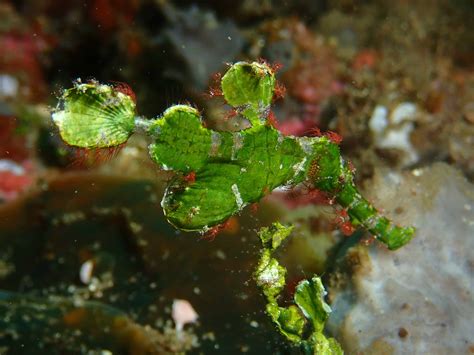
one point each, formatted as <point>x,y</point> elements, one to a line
<point>202,42</point>
<point>417,300</point>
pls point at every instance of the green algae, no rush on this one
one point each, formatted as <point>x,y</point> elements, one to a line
<point>310,311</point>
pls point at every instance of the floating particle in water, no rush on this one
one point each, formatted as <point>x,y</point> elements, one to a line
<point>85,272</point>
<point>183,313</point>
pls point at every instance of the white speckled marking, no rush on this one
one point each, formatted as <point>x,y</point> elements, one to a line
<point>238,198</point>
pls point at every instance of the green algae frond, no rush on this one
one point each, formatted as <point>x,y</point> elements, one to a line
<point>310,311</point>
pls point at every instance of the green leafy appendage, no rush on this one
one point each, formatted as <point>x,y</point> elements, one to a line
<point>94,115</point>
<point>249,87</point>
<point>310,311</point>
<point>219,173</point>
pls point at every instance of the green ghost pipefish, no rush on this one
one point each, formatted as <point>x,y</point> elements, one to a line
<point>218,173</point>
